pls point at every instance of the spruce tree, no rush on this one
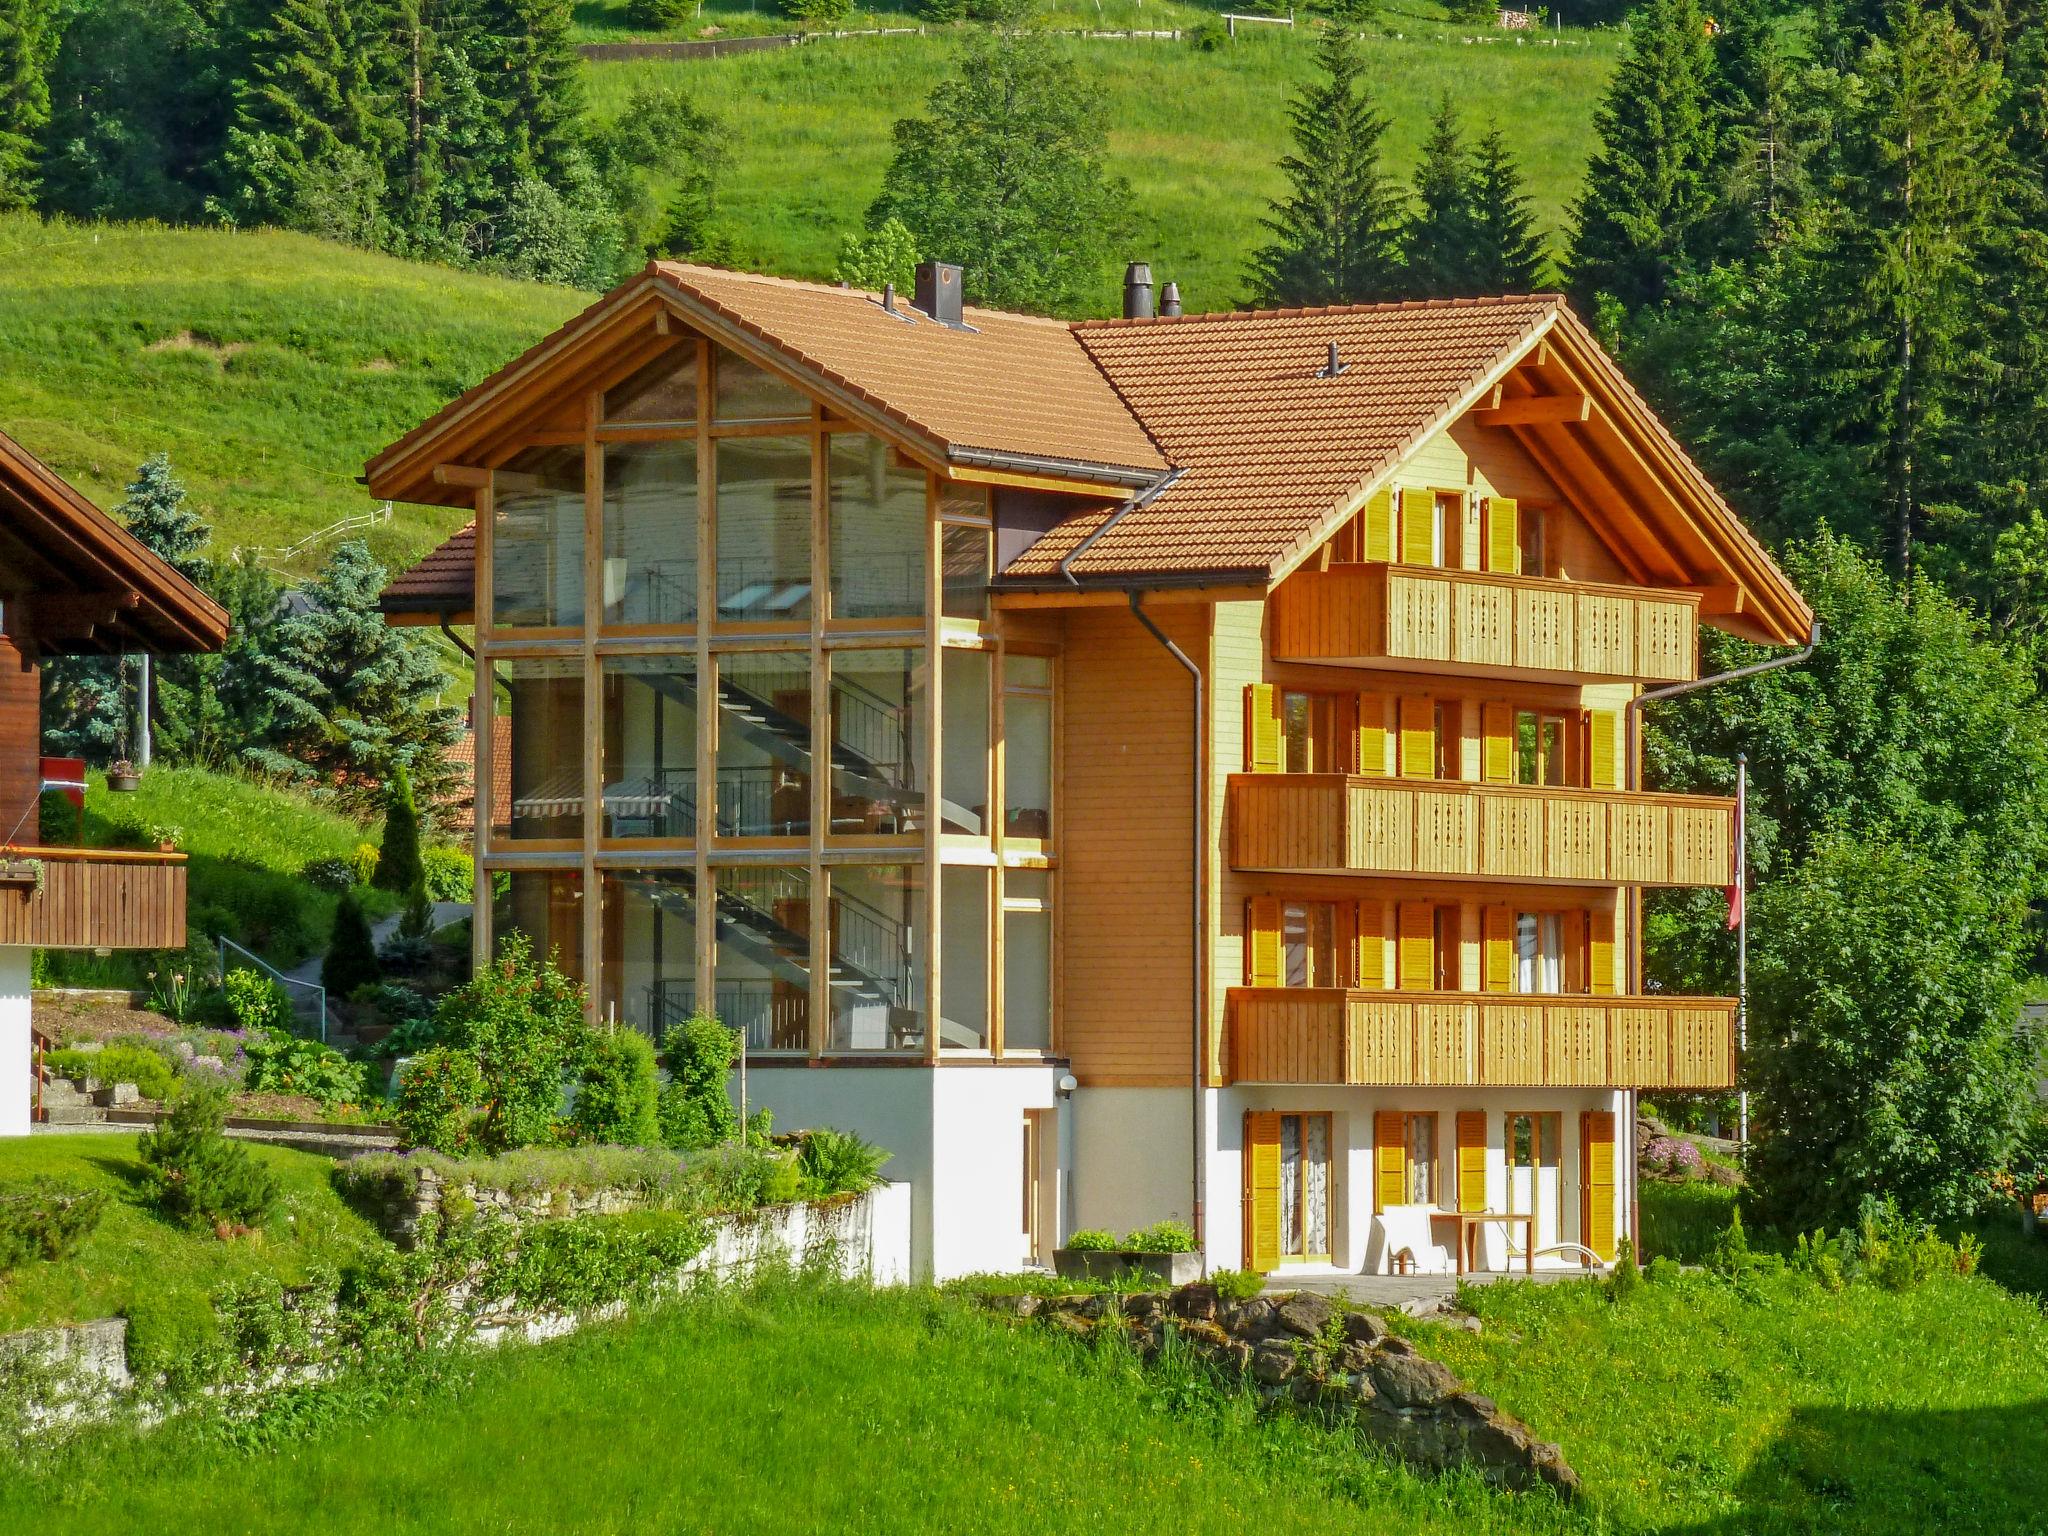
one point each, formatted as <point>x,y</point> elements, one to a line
<point>1439,243</point>
<point>28,38</point>
<point>526,63</point>
<point>1335,235</point>
<point>354,698</point>
<point>1005,174</point>
<point>398,865</point>
<point>1651,182</point>
<point>1508,253</point>
<point>155,512</point>
<point>351,959</point>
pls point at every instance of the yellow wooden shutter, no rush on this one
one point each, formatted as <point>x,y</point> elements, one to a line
<point>1262,942</point>
<point>1498,937</point>
<point>1503,536</point>
<point>1572,936</point>
<point>1372,735</point>
<point>1390,1158</point>
<point>1418,527</point>
<point>1417,946</point>
<point>1261,1190</point>
<point>1603,730</point>
<point>1379,526</point>
<point>1497,728</point>
<point>1596,1161</point>
<point>1471,1159</point>
<point>1418,737</point>
<point>1602,975</point>
<point>1369,939</point>
<point>1265,745</point>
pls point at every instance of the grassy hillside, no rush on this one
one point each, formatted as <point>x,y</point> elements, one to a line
<point>1198,135</point>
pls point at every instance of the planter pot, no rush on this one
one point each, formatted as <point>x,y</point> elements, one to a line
<point>123,783</point>
<point>1173,1269</point>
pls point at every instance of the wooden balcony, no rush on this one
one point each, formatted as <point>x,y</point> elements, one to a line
<point>1466,1040</point>
<point>1332,823</point>
<point>92,898</point>
<point>1424,619</point>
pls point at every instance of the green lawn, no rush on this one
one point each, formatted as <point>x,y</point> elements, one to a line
<point>1198,135</point>
<point>159,1275</point>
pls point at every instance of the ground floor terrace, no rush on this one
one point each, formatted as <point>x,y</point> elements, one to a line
<point>1005,1162</point>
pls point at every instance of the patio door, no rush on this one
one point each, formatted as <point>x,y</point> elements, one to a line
<point>1535,1178</point>
<point>1289,1200</point>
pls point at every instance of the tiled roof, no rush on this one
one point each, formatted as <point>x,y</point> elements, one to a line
<point>1268,447</point>
<point>1011,384</point>
<point>443,582</point>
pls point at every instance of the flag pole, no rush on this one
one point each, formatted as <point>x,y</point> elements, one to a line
<point>1742,941</point>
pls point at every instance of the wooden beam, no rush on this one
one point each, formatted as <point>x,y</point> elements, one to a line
<point>73,615</point>
<point>1587,501</point>
<point>964,474</point>
<point>1118,597</point>
<point>1535,410</point>
<point>461,474</point>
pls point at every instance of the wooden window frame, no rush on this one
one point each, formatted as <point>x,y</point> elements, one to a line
<point>1329,1187</point>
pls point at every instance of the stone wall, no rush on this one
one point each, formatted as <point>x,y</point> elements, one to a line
<point>1306,1352</point>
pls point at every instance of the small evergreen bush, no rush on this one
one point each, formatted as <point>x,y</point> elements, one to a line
<point>200,1178</point>
<point>616,1092</point>
<point>398,865</point>
<point>351,954</point>
<point>1626,1279</point>
<point>659,15</point>
<point>362,863</point>
<point>328,874</point>
<point>47,1220</point>
<point>696,1111</point>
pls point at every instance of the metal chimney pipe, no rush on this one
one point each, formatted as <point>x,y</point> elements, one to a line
<point>1169,300</point>
<point>1138,291</point>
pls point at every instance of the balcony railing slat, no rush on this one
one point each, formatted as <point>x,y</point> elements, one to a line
<point>91,900</point>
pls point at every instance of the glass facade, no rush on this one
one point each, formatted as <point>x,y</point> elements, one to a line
<point>545,698</point>
<point>746,393</point>
<point>878,531</point>
<point>763,958</point>
<point>877,958</point>
<point>650,948</point>
<point>546,907</point>
<point>878,742</point>
<point>964,735</point>
<point>963,957</point>
<point>664,391</point>
<point>650,746</point>
<point>1027,747</point>
<point>650,532</point>
<point>764,529</point>
<point>764,744</point>
<point>1027,960</point>
<point>964,552</point>
<point>537,540</point>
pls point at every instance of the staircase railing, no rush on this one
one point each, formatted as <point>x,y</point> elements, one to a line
<point>308,998</point>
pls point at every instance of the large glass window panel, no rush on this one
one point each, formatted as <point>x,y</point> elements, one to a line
<point>650,947</point>
<point>665,390</point>
<point>546,907</point>
<point>1539,952</point>
<point>764,529</point>
<point>878,739</point>
<point>650,532</point>
<point>762,980</point>
<point>545,697</point>
<point>964,729</point>
<point>878,958</point>
<point>963,957</point>
<point>764,744</point>
<point>537,540</point>
<point>1027,960</point>
<point>964,553</point>
<point>747,392</point>
<point>1027,747</point>
<point>878,531</point>
<point>1308,943</point>
<point>650,746</point>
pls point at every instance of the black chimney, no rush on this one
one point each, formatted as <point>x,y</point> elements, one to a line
<point>1169,300</point>
<point>1138,291</point>
<point>938,291</point>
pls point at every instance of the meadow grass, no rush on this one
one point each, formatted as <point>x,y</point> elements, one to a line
<point>159,1275</point>
<point>1683,1221</point>
<point>1198,135</point>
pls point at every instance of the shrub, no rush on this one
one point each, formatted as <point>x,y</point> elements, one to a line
<point>199,1177</point>
<point>695,1110</point>
<point>448,873</point>
<point>1162,1237</point>
<point>398,865</point>
<point>256,1002</point>
<point>616,1092</point>
<point>438,1101</point>
<point>363,860</point>
<point>284,1063</point>
<point>119,1062</point>
<point>838,1163</point>
<point>1626,1279</point>
<point>659,15</point>
<point>1210,36</point>
<point>1674,1157</point>
<point>1238,1284</point>
<point>47,1221</point>
<point>328,874</point>
<point>822,13</point>
<point>1093,1240</point>
<point>351,954</point>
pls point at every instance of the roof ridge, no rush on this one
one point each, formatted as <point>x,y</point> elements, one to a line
<point>1379,307</point>
<point>684,270</point>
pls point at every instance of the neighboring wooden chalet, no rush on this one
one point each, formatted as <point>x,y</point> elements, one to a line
<point>72,582</point>
<point>1110,762</point>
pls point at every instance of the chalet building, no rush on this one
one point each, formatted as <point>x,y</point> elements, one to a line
<point>1178,766</point>
<point>72,582</point>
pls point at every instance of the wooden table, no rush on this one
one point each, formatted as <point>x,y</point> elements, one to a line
<point>1469,1223</point>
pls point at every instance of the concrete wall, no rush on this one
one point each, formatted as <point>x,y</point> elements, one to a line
<point>17,1089</point>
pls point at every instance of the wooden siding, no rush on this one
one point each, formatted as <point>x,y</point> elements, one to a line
<point>94,898</point>
<point>1451,1039</point>
<point>1424,617</point>
<point>21,772</point>
<point>1320,823</point>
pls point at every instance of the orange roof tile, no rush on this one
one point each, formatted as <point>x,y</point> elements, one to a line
<point>443,582</point>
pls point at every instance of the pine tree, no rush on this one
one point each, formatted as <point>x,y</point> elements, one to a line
<point>28,38</point>
<point>354,698</point>
<point>1438,240</point>
<point>1508,252</point>
<point>398,865</point>
<point>526,62</point>
<point>155,512</point>
<point>1651,182</point>
<point>1335,234</point>
<point>351,959</point>
<point>1005,174</point>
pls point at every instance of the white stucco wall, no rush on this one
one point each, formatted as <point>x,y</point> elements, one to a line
<point>17,1089</point>
<point>1131,1153</point>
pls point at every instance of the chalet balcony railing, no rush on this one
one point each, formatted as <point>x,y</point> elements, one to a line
<point>1329,823</point>
<point>1466,1040</point>
<point>1419,616</point>
<point>92,898</point>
